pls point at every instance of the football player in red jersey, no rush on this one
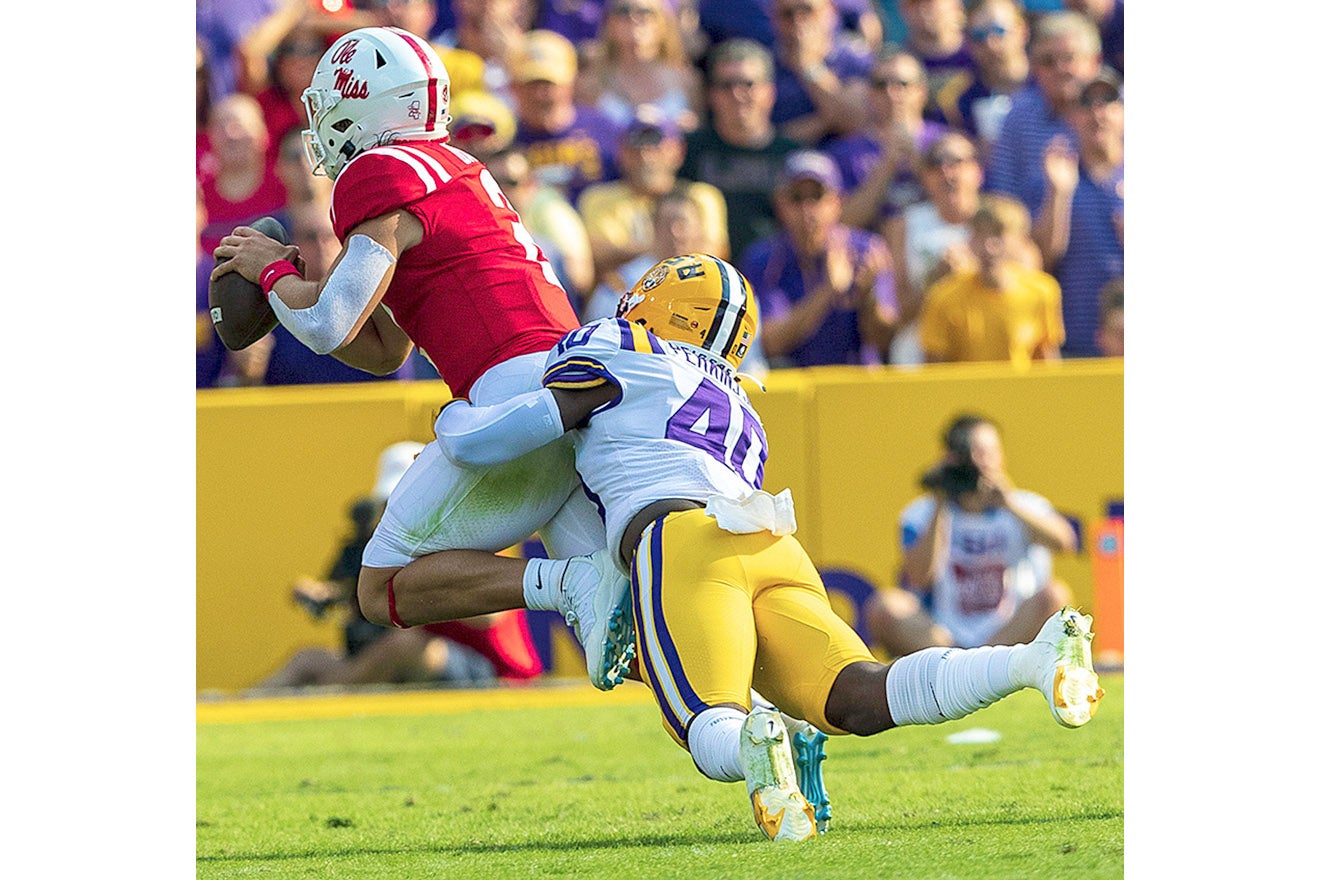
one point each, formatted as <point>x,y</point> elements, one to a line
<point>435,256</point>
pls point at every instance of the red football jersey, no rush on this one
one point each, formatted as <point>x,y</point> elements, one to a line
<point>477,290</point>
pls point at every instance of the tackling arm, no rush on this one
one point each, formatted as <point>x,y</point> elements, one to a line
<point>481,436</point>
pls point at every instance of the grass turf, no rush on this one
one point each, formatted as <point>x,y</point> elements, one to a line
<point>598,790</point>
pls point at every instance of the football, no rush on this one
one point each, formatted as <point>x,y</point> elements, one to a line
<point>239,310</point>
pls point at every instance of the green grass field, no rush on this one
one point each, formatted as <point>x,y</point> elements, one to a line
<point>588,785</point>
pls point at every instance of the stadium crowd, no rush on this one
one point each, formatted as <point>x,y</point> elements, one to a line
<point>839,152</point>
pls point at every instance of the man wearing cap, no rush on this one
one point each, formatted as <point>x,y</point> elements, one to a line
<point>618,213</point>
<point>481,123</point>
<point>1079,227</point>
<point>569,145</point>
<point>1065,54</point>
<point>826,290</point>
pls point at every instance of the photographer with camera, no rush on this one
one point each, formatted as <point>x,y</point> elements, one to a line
<point>977,554</point>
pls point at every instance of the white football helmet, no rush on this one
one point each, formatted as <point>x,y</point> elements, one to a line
<point>374,86</point>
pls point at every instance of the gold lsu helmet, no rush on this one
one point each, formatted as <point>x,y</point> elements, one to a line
<point>697,299</point>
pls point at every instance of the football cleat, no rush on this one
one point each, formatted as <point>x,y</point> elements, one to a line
<point>1058,663</point>
<point>780,810</point>
<point>596,601</point>
<point>808,752</point>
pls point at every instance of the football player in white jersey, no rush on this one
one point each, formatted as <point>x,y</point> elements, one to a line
<point>725,598</point>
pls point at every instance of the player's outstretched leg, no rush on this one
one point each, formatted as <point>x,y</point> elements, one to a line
<point>1058,664</point>
<point>593,595</point>
<point>780,810</point>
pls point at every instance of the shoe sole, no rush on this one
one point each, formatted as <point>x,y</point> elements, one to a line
<point>1076,692</point>
<point>771,807</point>
<point>808,752</point>
<point>619,647</point>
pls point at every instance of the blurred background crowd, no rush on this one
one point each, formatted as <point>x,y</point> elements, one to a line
<point>902,181</point>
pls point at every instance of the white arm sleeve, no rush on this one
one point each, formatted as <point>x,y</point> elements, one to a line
<point>480,436</point>
<point>324,326</point>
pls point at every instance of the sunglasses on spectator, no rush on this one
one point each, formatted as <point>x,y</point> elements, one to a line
<point>1056,59</point>
<point>983,34</point>
<point>788,13</point>
<point>940,160</point>
<point>884,82</point>
<point>1090,99</point>
<point>728,85</point>
<point>802,197</point>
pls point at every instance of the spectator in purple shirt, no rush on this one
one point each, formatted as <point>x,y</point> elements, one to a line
<point>569,145</point>
<point>579,20</point>
<point>935,35</point>
<point>880,164</point>
<point>820,82</point>
<point>1080,225</point>
<point>826,290</point>
<point>1065,54</point>
<point>997,32</point>
<point>221,26</point>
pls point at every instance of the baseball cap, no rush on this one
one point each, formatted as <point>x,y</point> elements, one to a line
<point>651,129</point>
<point>809,165</point>
<point>479,110</point>
<point>391,465</point>
<point>545,55</point>
<point>1107,82</point>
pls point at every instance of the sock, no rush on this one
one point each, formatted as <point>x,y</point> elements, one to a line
<point>713,740</point>
<point>942,684</point>
<point>542,581</point>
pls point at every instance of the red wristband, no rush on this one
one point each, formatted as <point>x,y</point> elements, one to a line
<point>274,272</point>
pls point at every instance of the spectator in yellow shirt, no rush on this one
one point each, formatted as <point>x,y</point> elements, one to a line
<point>1000,310</point>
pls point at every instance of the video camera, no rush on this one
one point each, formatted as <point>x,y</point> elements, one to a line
<point>958,475</point>
<point>952,478</point>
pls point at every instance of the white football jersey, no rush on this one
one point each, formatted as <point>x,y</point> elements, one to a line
<point>681,428</point>
<point>992,565</point>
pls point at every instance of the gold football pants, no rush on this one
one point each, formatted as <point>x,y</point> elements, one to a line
<point>719,613</point>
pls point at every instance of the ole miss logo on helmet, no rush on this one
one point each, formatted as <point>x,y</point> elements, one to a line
<point>344,53</point>
<point>349,87</point>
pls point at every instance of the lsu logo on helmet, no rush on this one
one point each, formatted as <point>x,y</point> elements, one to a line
<point>697,299</point>
<point>374,86</point>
